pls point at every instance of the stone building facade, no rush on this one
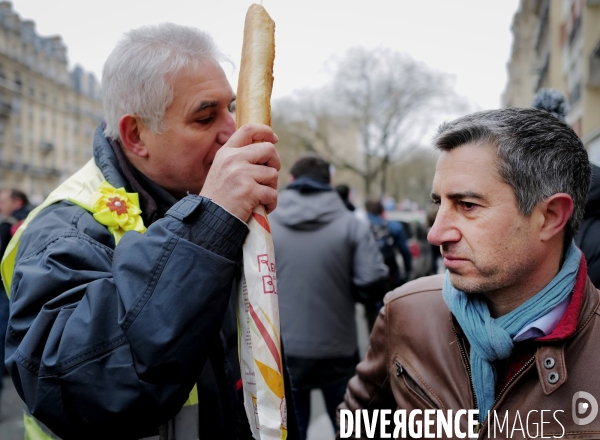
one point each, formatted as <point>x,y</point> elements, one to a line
<point>48,113</point>
<point>556,44</point>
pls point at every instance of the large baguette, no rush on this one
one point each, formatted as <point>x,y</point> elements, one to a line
<point>253,101</point>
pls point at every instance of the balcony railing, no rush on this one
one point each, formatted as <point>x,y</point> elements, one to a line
<point>575,94</point>
<point>575,30</point>
<point>21,167</point>
<point>543,72</point>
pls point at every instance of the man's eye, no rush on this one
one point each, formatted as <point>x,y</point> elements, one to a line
<point>205,121</point>
<point>232,107</point>
<point>468,205</point>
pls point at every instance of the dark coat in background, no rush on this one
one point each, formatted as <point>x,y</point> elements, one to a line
<point>588,238</point>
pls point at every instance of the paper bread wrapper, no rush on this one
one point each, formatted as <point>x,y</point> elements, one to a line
<point>259,337</point>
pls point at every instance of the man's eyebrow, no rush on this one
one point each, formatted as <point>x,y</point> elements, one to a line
<point>464,195</point>
<point>434,196</point>
<point>206,104</point>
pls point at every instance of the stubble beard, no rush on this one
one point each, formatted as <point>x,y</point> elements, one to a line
<point>489,280</point>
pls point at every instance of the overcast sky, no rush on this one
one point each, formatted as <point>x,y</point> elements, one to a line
<point>470,39</point>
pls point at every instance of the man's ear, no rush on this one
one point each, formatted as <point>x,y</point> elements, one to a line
<point>557,210</point>
<point>130,127</point>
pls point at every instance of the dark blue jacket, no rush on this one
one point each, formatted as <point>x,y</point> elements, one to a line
<point>400,240</point>
<point>107,342</point>
<point>588,237</point>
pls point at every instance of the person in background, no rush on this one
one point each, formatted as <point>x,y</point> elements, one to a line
<point>436,254</point>
<point>14,208</point>
<point>324,253</point>
<point>588,237</point>
<point>391,240</point>
<point>344,191</point>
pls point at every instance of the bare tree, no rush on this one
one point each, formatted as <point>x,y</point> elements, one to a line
<point>412,177</point>
<point>381,100</point>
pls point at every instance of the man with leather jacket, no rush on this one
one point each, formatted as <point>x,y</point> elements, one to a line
<point>511,330</point>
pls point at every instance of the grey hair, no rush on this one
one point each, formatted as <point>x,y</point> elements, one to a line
<point>538,155</point>
<point>135,78</point>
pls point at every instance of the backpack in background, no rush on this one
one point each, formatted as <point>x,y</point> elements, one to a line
<point>387,247</point>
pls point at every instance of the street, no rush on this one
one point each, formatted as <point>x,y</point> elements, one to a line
<point>320,427</point>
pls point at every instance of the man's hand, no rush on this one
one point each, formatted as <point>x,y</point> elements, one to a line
<point>244,174</point>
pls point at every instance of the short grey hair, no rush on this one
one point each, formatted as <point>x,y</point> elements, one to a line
<point>135,78</point>
<point>538,155</point>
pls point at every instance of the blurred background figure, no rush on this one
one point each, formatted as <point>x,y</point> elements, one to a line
<point>324,254</point>
<point>14,207</point>
<point>344,192</point>
<point>392,242</point>
<point>436,255</point>
<point>588,237</point>
<point>552,101</point>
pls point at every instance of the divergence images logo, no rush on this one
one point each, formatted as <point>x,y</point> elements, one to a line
<point>585,408</point>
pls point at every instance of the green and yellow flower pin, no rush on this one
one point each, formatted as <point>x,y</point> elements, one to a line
<point>116,209</point>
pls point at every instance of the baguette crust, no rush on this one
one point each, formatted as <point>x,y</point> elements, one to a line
<point>253,101</point>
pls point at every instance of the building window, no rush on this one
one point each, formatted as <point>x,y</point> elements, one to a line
<point>16,104</point>
<point>18,132</point>
<point>18,157</point>
<point>18,81</point>
<point>575,94</point>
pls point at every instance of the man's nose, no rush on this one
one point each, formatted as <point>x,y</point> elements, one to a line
<point>227,129</point>
<point>444,229</point>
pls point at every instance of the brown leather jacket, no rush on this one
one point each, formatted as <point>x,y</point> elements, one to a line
<point>418,359</point>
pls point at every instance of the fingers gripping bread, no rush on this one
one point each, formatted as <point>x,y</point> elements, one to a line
<point>253,101</point>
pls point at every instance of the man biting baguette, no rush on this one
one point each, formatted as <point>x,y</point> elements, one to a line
<point>122,315</point>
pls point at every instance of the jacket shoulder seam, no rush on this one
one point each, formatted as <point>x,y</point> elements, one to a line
<point>396,296</point>
<point>74,234</point>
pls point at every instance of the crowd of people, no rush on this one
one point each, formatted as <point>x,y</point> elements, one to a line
<point>122,318</point>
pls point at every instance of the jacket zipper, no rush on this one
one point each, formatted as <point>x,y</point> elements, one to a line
<point>399,369</point>
<point>510,382</point>
<point>412,385</point>
<point>468,366</point>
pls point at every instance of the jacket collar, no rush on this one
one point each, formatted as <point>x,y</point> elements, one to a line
<point>119,172</point>
<point>550,352</point>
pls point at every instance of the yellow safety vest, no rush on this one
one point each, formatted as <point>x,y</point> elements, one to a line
<point>79,188</point>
